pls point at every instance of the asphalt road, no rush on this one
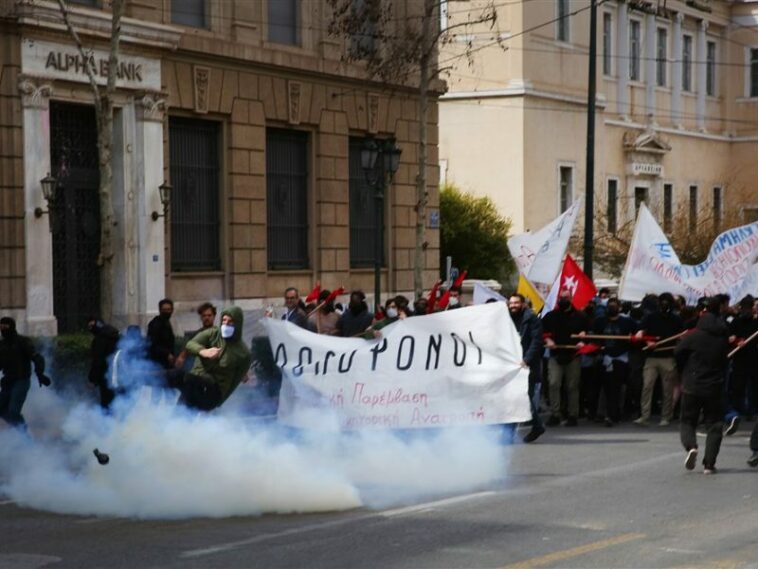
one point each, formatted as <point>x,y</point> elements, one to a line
<point>579,497</point>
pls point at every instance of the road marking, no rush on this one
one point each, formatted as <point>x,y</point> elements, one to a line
<point>438,504</point>
<point>575,551</point>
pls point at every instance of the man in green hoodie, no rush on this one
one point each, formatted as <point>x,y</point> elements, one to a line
<point>222,361</point>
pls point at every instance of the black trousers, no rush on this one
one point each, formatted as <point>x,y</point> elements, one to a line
<point>754,439</point>
<point>712,407</point>
<point>197,392</point>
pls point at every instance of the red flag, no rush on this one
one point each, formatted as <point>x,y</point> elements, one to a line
<point>588,349</point>
<point>334,294</point>
<point>432,298</point>
<point>313,295</point>
<point>444,300</point>
<point>580,286</point>
<point>459,281</point>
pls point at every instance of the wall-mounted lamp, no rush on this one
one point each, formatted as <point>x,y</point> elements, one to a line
<point>164,191</point>
<point>49,190</point>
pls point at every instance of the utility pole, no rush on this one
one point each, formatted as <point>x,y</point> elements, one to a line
<point>589,196</point>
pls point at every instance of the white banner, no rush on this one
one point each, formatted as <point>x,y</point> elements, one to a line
<point>483,293</point>
<point>453,368</point>
<point>539,255</point>
<point>653,266</point>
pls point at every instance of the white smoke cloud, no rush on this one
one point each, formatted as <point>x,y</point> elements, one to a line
<point>166,462</point>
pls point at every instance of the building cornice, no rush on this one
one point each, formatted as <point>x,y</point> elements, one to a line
<point>681,132</point>
<point>519,90</point>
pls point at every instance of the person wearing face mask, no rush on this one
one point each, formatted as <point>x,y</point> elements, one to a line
<point>455,299</point>
<point>160,335</point>
<point>661,323</point>
<point>393,311</point>
<point>17,355</point>
<point>564,364</point>
<point>356,319</point>
<point>615,362</point>
<point>105,340</point>
<point>222,361</point>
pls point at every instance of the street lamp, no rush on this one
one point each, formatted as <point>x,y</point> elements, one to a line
<point>164,192</point>
<point>49,187</point>
<point>380,160</point>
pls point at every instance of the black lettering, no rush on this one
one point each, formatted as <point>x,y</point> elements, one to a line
<point>138,72</point>
<point>328,355</point>
<point>280,349</point>
<point>341,367</point>
<point>473,343</point>
<point>409,361</point>
<point>457,339</point>
<point>298,369</point>
<point>435,342</point>
<point>377,349</point>
<point>51,61</point>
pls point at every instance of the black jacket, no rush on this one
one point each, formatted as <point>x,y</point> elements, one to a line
<point>561,325</point>
<point>161,341</point>
<point>17,354</point>
<point>621,326</point>
<point>297,317</point>
<point>701,357</point>
<point>350,324</point>
<point>529,327</point>
<point>743,326</point>
<point>104,343</point>
<point>663,325</point>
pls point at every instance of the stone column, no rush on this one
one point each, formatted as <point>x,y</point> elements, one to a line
<point>650,76</point>
<point>148,175</point>
<point>676,74</point>
<point>622,49</point>
<point>701,75</point>
<point>35,100</point>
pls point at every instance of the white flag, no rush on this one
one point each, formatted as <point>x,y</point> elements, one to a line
<point>483,293</point>
<point>539,255</point>
<point>654,267</point>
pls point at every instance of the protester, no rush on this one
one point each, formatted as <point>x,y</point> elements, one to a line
<point>17,355</point>
<point>104,342</point>
<point>294,313</point>
<point>207,313</point>
<point>356,319</point>
<point>160,335</point>
<point>701,358</point>
<point>324,319</point>
<point>222,361</point>
<point>662,323</point>
<point>456,298</point>
<point>745,361</point>
<point>529,328</point>
<point>564,365</point>
<point>420,306</point>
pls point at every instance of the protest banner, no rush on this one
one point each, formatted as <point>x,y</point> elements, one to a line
<point>654,267</point>
<point>483,293</point>
<point>449,369</point>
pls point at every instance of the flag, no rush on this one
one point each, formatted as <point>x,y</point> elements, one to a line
<point>459,281</point>
<point>334,294</point>
<point>444,300</point>
<point>552,297</point>
<point>432,298</point>
<point>539,254</point>
<point>483,293</point>
<point>313,295</point>
<point>526,289</point>
<point>574,280</point>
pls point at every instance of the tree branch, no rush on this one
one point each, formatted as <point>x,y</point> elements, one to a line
<point>80,47</point>
<point>118,11</point>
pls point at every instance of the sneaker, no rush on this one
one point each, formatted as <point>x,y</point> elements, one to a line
<point>553,421</point>
<point>571,422</point>
<point>641,422</point>
<point>753,460</point>
<point>691,460</point>
<point>710,470</point>
<point>733,425</point>
<point>664,423</point>
<point>533,435</point>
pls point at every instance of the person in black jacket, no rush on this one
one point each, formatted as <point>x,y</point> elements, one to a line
<point>17,354</point>
<point>356,319</point>
<point>104,343</point>
<point>564,363</point>
<point>295,312</point>
<point>160,336</point>
<point>529,328</point>
<point>702,359</point>
<point>744,370</point>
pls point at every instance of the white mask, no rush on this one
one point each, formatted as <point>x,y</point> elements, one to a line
<point>392,313</point>
<point>227,331</point>
<point>453,301</point>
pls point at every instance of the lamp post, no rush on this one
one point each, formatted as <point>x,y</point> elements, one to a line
<point>380,160</point>
<point>164,192</point>
<point>49,190</point>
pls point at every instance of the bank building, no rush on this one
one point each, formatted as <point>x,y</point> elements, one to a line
<point>239,130</point>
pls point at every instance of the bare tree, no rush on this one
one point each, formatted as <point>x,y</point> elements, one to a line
<point>403,51</point>
<point>103,101</point>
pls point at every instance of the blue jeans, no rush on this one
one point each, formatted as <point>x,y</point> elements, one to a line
<point>12,398</point>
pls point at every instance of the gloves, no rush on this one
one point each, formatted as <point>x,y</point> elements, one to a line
<point>44,380</point>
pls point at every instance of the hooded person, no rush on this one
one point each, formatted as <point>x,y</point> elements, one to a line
<point>17,354</point>
<point>105,340</point>
<point>222,361</point>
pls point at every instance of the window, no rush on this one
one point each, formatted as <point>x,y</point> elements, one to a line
<point>363,206</point>
<point>188,13</point>
<point>710,69</point>
<point>607,43</point>
<point>612,214</point>
<point>717,208</point>
<point>567,187</point>
<point>287,198</point>
<point>283,20</point>
<point>92,3</point>
<point>195,166</point>
<point>753,72</point>
<point>693,207</point>
<point>661,60</point>
<point>634,50</point>
<point>562,31</point>
<point>668,207</point>
<point>443,15</point>
<point>363,40</point>
<point>640,196</point>
<point>687,63</point>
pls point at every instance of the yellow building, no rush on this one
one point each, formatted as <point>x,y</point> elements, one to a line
<point>677,109</point>
<point>247,108</point>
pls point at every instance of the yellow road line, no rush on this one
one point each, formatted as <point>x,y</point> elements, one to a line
<point>575,551</point>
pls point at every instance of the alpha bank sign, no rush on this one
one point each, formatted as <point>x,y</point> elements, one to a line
<point>64,62</point>
<point>645,169</point>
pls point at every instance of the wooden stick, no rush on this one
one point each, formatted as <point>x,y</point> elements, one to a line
<point>665,348</point>
<point>603,337</point>
<point>665,341</point>
<point>738,348</point>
